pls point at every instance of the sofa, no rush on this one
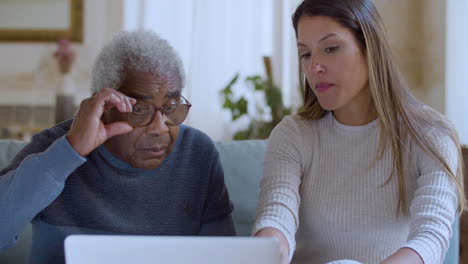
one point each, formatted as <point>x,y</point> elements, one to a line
<point>242,164</point>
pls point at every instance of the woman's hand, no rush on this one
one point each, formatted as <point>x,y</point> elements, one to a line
<point>284,245</point>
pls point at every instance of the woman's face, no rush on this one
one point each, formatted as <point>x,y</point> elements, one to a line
<point>333,63</point>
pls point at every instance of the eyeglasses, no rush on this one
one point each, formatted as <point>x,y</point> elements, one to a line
<point>173,113</point>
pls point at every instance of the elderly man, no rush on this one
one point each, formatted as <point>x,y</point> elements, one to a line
<point>125,165</point>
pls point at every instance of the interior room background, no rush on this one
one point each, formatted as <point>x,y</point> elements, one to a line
<point>217,39</point>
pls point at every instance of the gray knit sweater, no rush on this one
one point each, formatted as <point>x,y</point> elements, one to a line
<point>325,190</point>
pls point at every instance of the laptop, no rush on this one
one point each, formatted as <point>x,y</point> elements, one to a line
<point>118,249</point>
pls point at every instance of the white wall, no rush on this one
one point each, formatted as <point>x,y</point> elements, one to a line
<point>457,66</point>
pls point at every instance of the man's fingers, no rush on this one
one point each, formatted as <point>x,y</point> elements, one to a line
<point>88,130</point>
<point>129,104</point>
<point>117,128</point>
<point>111,98</point>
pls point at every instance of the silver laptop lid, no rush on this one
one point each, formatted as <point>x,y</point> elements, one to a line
<point>117,249</point>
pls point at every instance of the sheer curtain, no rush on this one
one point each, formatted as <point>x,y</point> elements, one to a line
<point>285,59</point>
<point>217,39</point>
<point>457,66</point>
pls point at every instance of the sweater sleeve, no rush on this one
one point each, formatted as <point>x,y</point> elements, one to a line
<point>29,185</point>
<point>434,204</point>
<point>279,199</point>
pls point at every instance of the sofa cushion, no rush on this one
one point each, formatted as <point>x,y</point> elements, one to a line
<point>242,163</point>
<point>8,150</point>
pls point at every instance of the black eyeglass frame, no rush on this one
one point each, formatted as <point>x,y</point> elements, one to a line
<point>156,109</point>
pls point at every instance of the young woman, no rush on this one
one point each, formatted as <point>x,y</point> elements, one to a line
<point>364,172</point>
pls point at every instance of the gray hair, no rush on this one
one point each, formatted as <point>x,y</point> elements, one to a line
<point>139,50</point>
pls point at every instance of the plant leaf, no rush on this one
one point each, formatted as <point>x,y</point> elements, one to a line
<point>227,89</point>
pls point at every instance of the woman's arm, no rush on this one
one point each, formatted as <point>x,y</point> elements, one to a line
<point>434,202</point>
<point>279,199</point>
<point>404,256</point>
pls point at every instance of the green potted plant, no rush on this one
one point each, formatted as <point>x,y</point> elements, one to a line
<point>238,106</point>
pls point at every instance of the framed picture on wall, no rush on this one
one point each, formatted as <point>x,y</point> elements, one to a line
<point>41,20</point>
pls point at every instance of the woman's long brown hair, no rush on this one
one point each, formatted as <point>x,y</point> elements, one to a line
<point>400,114</point>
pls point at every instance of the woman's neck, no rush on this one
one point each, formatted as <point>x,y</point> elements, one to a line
<point>357,113</point>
